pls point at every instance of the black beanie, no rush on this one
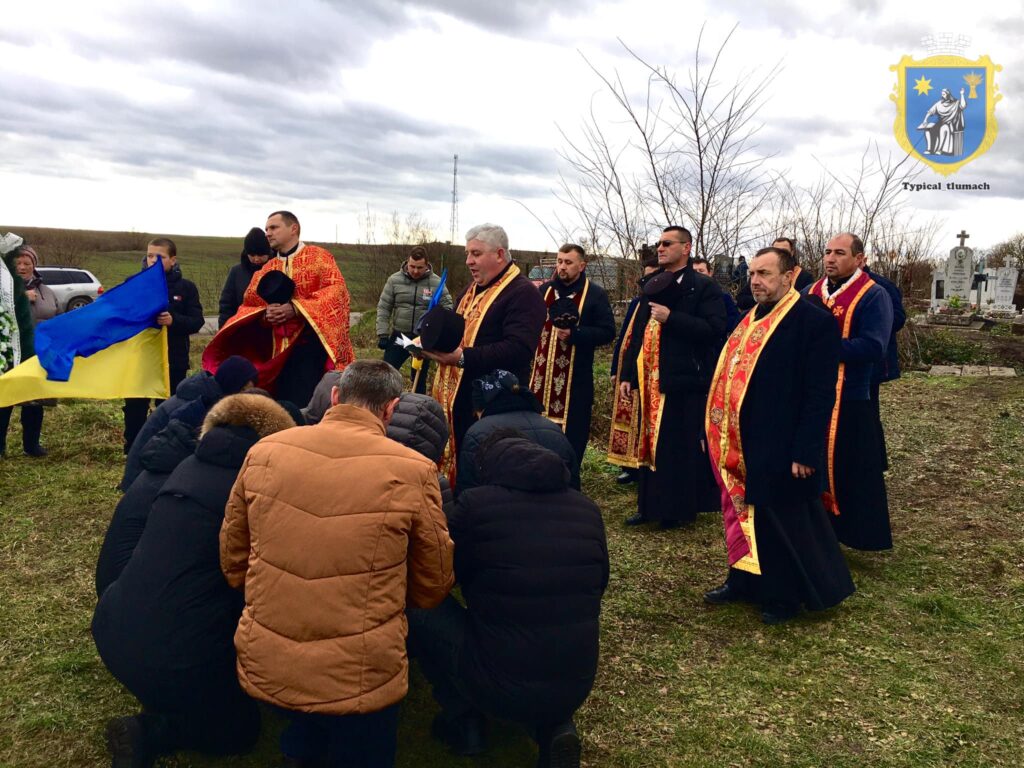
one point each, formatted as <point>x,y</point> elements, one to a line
<point>256,242</point>
<point>234,373</point>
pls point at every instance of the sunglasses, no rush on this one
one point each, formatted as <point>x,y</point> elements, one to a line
<point>668,243</point>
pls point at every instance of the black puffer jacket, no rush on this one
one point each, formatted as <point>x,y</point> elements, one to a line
<point>531,556</point>
<point>201,386</point>
<point>171,608</point>
<point>161,456</point>
<point>234,289</point>
<point>419,423</point>
<point>184,306</point>
<point>514,412</point>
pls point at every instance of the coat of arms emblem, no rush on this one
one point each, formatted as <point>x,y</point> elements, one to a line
<point>945,106</point>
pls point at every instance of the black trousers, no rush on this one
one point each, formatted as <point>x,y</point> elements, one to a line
<point>303,370</point>
<point>31,425</point>
<point>395,356</point>
<point>577,425</point>
<point>202,708</point>
<point>437,639</point>
<point>136,409</point>
<point>343,741</point>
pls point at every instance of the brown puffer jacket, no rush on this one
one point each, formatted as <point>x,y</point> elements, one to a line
<point>332,530</point>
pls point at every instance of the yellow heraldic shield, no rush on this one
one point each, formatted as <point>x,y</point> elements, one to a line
<point>945,109</point>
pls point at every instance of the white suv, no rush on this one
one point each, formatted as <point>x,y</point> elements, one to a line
<point>74,287</point>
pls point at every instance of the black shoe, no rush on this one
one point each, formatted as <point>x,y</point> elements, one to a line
<point>35,451</point>
<point>126,740</point>
<point>779,614</point>
<point>464,735</point>
<point>562,749</point>
<point>636,519</point>
<point>668,525</point>
<point>722,595</point>
<point>625,478</point>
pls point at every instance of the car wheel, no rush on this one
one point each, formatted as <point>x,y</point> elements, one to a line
<point>78,302</point>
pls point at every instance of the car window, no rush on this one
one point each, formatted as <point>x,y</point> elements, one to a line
<point>54,276</point>
<point>79,277</point>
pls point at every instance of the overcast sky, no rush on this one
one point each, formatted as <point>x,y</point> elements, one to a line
<point>202,117</point>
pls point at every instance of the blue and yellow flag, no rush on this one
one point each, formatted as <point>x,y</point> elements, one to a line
<point>106,350</point>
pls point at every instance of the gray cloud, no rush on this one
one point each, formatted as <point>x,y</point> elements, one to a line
<point>264,114</point>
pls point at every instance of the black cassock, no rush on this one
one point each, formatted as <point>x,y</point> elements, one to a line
<point>595,329</point>
<point>683,483</point>
<point>784,419</point>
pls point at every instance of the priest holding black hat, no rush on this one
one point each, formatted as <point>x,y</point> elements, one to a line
<point>671,357</point>
<point>503,315</point>
<point>579,320</point>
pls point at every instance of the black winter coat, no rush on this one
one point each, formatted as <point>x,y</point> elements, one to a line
<point>531,556</point>
<point>787,407</point>
<point>235,285</point>
<point>171,608</point>
<point>418,423</point>
<point>184,306</point>
<point>201,387</point>
<point>513,412</point>
<point>160,457</point>
<point>690,339</point>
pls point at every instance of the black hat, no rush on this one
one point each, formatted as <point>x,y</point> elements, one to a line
<point>441,330</point>
<point>234,373</point>
<point>275,287</point>
<point>563,313</point>
<point>662,288</point>
<point>256,243</point>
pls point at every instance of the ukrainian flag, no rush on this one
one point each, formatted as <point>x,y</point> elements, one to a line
<point>109,349</point>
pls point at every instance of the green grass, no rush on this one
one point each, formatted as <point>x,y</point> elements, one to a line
<point>921,667</point>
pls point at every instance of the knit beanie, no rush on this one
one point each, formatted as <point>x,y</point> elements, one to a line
<point>256,243</point>
<point>234,373</point>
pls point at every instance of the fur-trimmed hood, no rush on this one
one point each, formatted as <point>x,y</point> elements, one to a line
<point>257,412</point>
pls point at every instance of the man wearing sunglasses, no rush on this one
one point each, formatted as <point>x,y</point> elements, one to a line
<point>679,327</point>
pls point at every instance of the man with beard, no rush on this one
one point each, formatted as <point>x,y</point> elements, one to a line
<point>856,494</point>
<point>767,419</point>
<point>679,325</point>
<point>579,320</point>
<point>504,315</point>
<point>293,322</point>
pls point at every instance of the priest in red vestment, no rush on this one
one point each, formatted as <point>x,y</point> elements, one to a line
<point>293,322</point>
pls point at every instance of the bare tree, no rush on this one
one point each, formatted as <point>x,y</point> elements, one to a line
<point>692,158</point>
<point>1009,253</point>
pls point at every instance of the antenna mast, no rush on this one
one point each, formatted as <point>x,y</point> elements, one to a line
<point>455,197</point>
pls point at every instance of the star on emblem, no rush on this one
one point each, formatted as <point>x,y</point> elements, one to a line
<point>922,85</point>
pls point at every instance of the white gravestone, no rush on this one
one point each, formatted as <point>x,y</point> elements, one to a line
<point>1005,279</point>
<point>954,279</point>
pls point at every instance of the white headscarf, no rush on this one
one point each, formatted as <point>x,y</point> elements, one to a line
<point>8,243</point>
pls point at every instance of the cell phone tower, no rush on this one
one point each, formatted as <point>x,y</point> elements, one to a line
<point>455,197</point>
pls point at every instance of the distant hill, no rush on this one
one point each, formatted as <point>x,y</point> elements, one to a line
<point>113,256</point>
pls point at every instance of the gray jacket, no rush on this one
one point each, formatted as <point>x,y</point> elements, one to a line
<point>404,301</point>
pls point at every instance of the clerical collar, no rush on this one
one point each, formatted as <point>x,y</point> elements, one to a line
<point>832,287</point>
<point>293,249</point>
<point>494,279</point>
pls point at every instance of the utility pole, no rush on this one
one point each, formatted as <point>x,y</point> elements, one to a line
<point>455,197</point>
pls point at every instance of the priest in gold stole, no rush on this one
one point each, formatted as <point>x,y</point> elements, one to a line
<point>504,315</point>
<point>678,332</point>
<point>579,321</point>
<point>767,423</point>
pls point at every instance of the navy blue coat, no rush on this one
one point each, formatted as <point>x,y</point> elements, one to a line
<point>890,368</point>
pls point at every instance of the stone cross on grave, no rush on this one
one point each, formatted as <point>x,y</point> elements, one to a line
<point>963,236</point>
